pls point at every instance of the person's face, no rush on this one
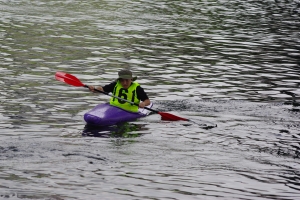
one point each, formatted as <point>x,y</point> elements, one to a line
<point>125,83</point>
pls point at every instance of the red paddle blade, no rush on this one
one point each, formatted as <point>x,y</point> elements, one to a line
<point>68,78</point>
<point>170,117</point>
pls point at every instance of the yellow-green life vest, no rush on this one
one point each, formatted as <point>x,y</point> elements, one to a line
<point>128,94</point>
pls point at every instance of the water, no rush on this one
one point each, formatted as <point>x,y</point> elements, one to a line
<point>230,63</point>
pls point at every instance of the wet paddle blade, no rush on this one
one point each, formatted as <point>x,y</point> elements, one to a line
<point>171,117</point>
<point>68,78</point>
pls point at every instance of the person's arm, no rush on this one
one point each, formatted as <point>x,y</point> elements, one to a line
<point>107,88</point>
<point>142,95</point>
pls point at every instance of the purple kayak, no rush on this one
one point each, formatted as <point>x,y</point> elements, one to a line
<point>107,115</point>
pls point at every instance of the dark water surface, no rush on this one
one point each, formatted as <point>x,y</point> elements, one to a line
<point>231,63</point>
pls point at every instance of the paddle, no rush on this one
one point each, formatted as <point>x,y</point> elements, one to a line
<point>72,80</point>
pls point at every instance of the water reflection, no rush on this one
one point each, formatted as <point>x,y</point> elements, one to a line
<point>122,130</point>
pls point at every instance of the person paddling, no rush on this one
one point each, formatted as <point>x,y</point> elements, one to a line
<point>73,80</point>
<point>127,88</point>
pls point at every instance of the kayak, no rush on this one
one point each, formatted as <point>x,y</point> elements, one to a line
<point>108,115</point>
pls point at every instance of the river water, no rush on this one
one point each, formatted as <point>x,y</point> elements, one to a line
<point>230,63</point>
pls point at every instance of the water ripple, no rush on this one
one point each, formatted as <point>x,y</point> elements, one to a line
<point>230,63</point>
